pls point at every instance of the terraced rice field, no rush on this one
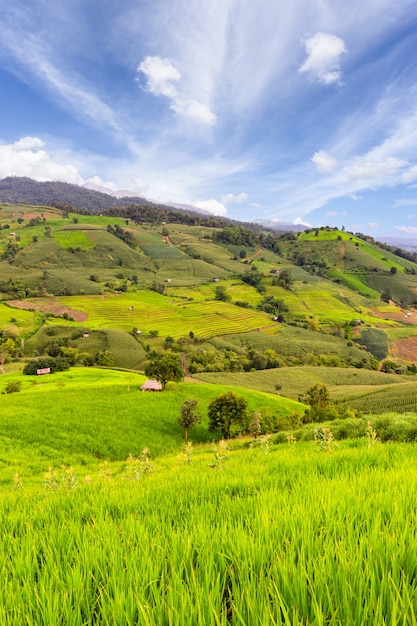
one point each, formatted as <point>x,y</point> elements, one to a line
<point>151,311</point>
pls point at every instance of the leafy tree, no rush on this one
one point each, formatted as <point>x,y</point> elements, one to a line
<point>321,407</point>
<point>318,396</point>
<point>55,365</point>
<point>221,294</point>
<point>189,415</point>
<point>226,411</point>
<point>253,277</point>
<point>164,368</point>
<point>284,279</point>
<point>105,359</point>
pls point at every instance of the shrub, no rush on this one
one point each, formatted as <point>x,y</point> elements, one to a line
<point>55,365</point>
<point>13,386</point>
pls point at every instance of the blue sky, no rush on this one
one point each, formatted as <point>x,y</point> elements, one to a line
<point>301,111</point>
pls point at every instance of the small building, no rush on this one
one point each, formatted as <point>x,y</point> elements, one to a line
<point>43,370</point>
<point>151,385</point>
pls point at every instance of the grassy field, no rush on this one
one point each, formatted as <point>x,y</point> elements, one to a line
<point>297,343</point>
<point>125,349</point>
<point>147,310</point>
<point>293,537</point>
<point>294,381</point>
<point>87,413</point>
<point>398,398</point>
<point>17,321</point>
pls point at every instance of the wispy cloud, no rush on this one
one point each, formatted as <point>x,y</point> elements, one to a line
<point>408,230</point>
<point>163,80</point>
<point>223,104</point>
<point>231,198</point>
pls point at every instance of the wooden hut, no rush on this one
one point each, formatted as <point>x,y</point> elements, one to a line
<point>151,385</point>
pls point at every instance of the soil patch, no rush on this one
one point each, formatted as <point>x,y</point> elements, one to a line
<point>406,349</point>
<point>49,305</point>
<point>408,317</point>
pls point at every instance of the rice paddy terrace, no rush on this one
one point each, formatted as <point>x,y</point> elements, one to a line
<point>311,524</point>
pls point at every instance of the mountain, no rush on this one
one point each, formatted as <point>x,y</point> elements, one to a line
<point>409,243</point>
<point>118,193</point>
<point>282,226</point>
<point>22,190</point>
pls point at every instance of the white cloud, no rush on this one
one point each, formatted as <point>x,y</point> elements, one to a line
<point>162,79</point>
<point>323,161</point>
<point>365,167</point>
<point>411,175</point>
<point>405,202</point>
<point>213,206</point>
<point>373,224</point>
<point>300,222</point>
<point>97,184</point>
<point>323,58</point>
<point>160,75</point>
<point>27,158</point>
<point>194,110</point>
<point>231,198</point>
<point>409,230</point>
<point>28,143</point>
<point>334,213</point>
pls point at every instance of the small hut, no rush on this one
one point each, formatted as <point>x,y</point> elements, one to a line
<point>151,385</point>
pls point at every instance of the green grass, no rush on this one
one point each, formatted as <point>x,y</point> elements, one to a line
<point>23,321</point>
<point>73,238</point>
<point>330,303</point>
<point>298,343</point>
<point>92,413</point>
<point>125,349</point>
<point>398,398</point>
<point>293,537</point>
<point>147,310</point>
<point>294,381</point>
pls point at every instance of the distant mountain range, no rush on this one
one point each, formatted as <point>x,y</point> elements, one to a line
<point>282,226</point>
<point>22,190</point>
<point>97,199</point>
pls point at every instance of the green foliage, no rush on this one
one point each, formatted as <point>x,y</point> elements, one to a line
<point>227,414</point>
<point>321,408</point>
<point>164,368</point>
<point>335,520</point>
<point>13,386</point>
<point>220,293</point>
<point>253,277</point>
<point>59,364</point>
<point>284,279</point>
<point>105,359</point>
<point>189,416</point>
<point>236,235</point>
<point>375,341</point>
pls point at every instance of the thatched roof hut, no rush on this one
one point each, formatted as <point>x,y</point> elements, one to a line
<point>151,385</point>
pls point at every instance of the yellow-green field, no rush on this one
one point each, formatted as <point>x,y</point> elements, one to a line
<point>150,311</point>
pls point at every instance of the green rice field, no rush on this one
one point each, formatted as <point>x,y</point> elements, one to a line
<point>148,310</point>
<point>292,537</point>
